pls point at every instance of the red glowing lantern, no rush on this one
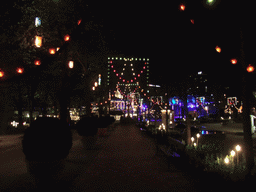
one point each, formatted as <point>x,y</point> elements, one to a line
<point>117,74</point>
<point>112,66</point>
<point>120,78</point>
<point>250,68</point>
<point>123,80</point>
<point>66,38</point>
<point>134,78</point>
<point>114,70</point>
<point>37,62</point>
<point>192,21</point>
<point>138,75</point>
<point>19,70</point>
<point>144,67</point>
<point>131,80</point>
<point>52,51</point>
<point>233,61</point>
<point>141,72</point>
<point>79,21</point>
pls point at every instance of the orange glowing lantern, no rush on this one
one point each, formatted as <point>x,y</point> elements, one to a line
<point>218,49</point>
<point>182,7</point>
<point>1,73</point>
<point>71,64</point>
<point>66,38</point>
<point>37,62</point>
<point>19,70</point>
<point>52,51</point>
<point>233,61</point>
<point>250,68</point>
<point>38,41</point>
<point>79,21</point>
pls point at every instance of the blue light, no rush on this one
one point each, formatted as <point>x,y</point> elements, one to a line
<point>203,132</point>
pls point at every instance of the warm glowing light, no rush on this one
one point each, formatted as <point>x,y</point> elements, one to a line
<point>19,70</point>
<point>182,7</point>
<point>238,148</point>
<point>233,61</point>
<point>67,37</point>
<point>250,68</point>
<point>117,74</point>
<point>218,49</point>
<point>1,73</point>
<point>112,66</point>
<point>192,21</point>
<point>52,51</point>
<point>37,62</point>
<point>226,160</point>
<point>93,88</point>
<point>71,64</point>
<point>138,75</point>
<point>114,70</point>
<point>232,153</point>
<point>79,21</point>
<point>38,41</point>
<point>96,84</point>
<point>197,135</point>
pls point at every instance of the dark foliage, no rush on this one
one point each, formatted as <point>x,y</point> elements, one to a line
<point>47,139</point>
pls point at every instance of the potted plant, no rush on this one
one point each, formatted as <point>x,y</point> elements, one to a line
<point>46,144</point>
<point>87,127</point>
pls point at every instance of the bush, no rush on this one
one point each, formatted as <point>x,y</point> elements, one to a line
<point>47,139</point>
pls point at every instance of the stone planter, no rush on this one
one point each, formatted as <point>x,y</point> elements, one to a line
<point>89,142</point>
<point>46,174</point>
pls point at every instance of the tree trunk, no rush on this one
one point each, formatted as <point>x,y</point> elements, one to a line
<point>246,112</point>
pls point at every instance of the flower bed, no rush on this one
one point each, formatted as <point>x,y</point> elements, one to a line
<point>230,167</point>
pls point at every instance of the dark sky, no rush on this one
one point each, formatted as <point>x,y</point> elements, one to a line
<point>174,45</point>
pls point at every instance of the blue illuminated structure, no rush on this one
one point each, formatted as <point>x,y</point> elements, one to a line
<point>200,105</point>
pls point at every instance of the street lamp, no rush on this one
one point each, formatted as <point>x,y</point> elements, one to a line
<point>238,148</point>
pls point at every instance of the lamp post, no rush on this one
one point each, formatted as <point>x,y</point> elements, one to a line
<point>238,148</point>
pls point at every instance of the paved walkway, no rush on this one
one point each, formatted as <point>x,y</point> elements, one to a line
<point>128,163</point>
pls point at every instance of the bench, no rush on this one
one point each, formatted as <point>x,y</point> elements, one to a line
<point>168,152</point>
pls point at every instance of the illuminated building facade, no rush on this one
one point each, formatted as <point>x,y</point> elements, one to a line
<point>127,80</point>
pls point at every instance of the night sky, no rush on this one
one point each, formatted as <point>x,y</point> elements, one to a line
<point>175,46</point>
